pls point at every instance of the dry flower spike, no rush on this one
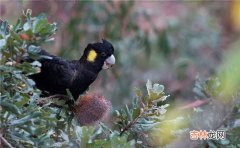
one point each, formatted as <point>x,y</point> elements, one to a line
<point>91,108</point>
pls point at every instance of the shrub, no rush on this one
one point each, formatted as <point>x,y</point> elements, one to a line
<point>26,123</point>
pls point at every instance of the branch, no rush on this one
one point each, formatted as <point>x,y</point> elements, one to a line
<point>133,122</point>
<point>196,103</point>
<point>45,100</point>
<point>5,141</point>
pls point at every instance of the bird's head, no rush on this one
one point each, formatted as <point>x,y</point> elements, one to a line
<point>100,54</point>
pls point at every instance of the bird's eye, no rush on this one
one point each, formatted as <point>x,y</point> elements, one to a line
<point>103,54</point>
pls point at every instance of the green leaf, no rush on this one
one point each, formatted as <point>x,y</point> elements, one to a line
<point>26,67</point>
<point>149,87</point>
<point>26,26</point>
<point>99,143</point>
<point>138,92</point>
<point>128,112</point>
<point>48,30</point>
<point>36,63</point>
<point>25,119</point>
<point>155,91</point>
<point>17,26</point>
<point>117,113</point>
<point>70,95</point>
<point>34,50</point>
<point>162,109</point>
<point>225,142</point>
<point>64,136</point>
<point>39,24</point>
<point>10,107</point>
<point>24,100</point>
<point>86,135</point>
<point>30,82</point>
<point>28,14</point>
<point>136,113</point>
<point>157,88</point>
<point>4,27</point>
<point>121,140</point>
<point>16,36</point>
<point>2,44</point>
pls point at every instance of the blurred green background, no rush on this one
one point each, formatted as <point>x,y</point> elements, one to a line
<point>171,43</point>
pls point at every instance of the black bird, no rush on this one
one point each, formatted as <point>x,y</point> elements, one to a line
<point>58,74</point>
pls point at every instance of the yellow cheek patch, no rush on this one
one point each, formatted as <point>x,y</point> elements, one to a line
<point>92,55</point>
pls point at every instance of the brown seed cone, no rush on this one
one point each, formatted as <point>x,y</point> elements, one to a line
<point>91,108</point>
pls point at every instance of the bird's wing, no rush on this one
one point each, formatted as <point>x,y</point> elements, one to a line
<point>57,70</point>
<point>56,74</point>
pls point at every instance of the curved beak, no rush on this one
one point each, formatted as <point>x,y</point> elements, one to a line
<point>109,62</point>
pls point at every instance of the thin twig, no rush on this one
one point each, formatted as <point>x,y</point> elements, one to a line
<point>5,141</point>
<point>45,100</point>
<point>133,122</point>
<point>195,104</point>
<point>55,96</point>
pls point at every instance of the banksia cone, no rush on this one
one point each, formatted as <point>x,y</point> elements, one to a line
<point>91,108</point>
